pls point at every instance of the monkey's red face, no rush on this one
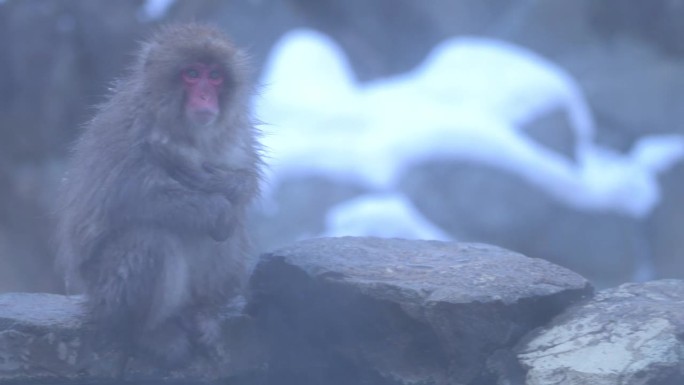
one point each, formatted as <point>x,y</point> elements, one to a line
<point>203,84</point>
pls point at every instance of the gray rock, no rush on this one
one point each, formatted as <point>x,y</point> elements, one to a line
<point>633,89</point>
<point>630,335</point>
<point>658,22</point>
<point>664,227</point>
<point>57,60</point>
<point>39,336</point>
<point>553,130</point>
<point>551,28</point>
<point>390,311</point>
<point>43,338</point>
<point>479,203</point>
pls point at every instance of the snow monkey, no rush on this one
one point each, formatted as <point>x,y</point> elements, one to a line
<point>152,208</point>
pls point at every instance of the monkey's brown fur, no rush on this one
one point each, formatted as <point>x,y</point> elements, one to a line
<point>152,210</point>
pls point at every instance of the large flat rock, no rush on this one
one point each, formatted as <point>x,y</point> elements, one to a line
<point>391,311</point>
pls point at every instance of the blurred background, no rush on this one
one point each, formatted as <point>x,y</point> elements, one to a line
<point>550,127</point>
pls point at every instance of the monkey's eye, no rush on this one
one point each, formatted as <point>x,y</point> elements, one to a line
<point>192,73</point>
<point>215,74</point>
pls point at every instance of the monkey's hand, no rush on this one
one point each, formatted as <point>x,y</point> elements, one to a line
<point>178,166</point>
<point>217,176</point>
<point>223,226</point>
<point>235,184</point>
<point>183,167</point>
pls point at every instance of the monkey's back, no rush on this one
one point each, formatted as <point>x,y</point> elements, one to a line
<point>102,153</point>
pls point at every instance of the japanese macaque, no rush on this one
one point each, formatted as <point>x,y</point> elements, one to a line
<point>152,208</point>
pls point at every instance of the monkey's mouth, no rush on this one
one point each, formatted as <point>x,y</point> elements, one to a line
<point>202,118</point>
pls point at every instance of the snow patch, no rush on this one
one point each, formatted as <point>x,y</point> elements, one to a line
<point>381,215</point>
<point>466,101</point>
<point>152,10</point>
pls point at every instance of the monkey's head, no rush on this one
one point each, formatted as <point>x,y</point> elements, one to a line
<point>193,70</point>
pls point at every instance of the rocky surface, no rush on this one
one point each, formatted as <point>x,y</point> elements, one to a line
<point>40,335</point>
<point>44,339</point>
<point>328,311</point>
<point>386,312</point>
<point>629,335</point>
<point>390,311</point>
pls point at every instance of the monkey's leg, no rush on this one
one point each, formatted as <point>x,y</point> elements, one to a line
<point>167,344</point>
<point>165,337</point>
<point>218,282</point>
<point>136,284</point>
<point>111,285</point>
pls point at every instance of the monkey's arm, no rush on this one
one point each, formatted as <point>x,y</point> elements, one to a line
<point>148,197</point>
<point>238,185</point>
<point>184,168</point>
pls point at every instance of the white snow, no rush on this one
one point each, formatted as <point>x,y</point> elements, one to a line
<point>154,9</point>
<point>381,215</point>
<point>467,100</point>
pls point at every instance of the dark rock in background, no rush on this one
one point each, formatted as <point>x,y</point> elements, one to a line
<point>58,58</point>
<point>633,90</point>
<point>630,335</point>
<point>382,37</point>
<point>390,311</point>
<point>480,203</point>
<point>663,230</point>
<point>657,22</point>
<point>553,131</point>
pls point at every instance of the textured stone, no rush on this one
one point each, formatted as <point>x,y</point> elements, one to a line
<point>39,336</point>
<point>391,311</point>
<point>43,339</point>
<point>630,335</point>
